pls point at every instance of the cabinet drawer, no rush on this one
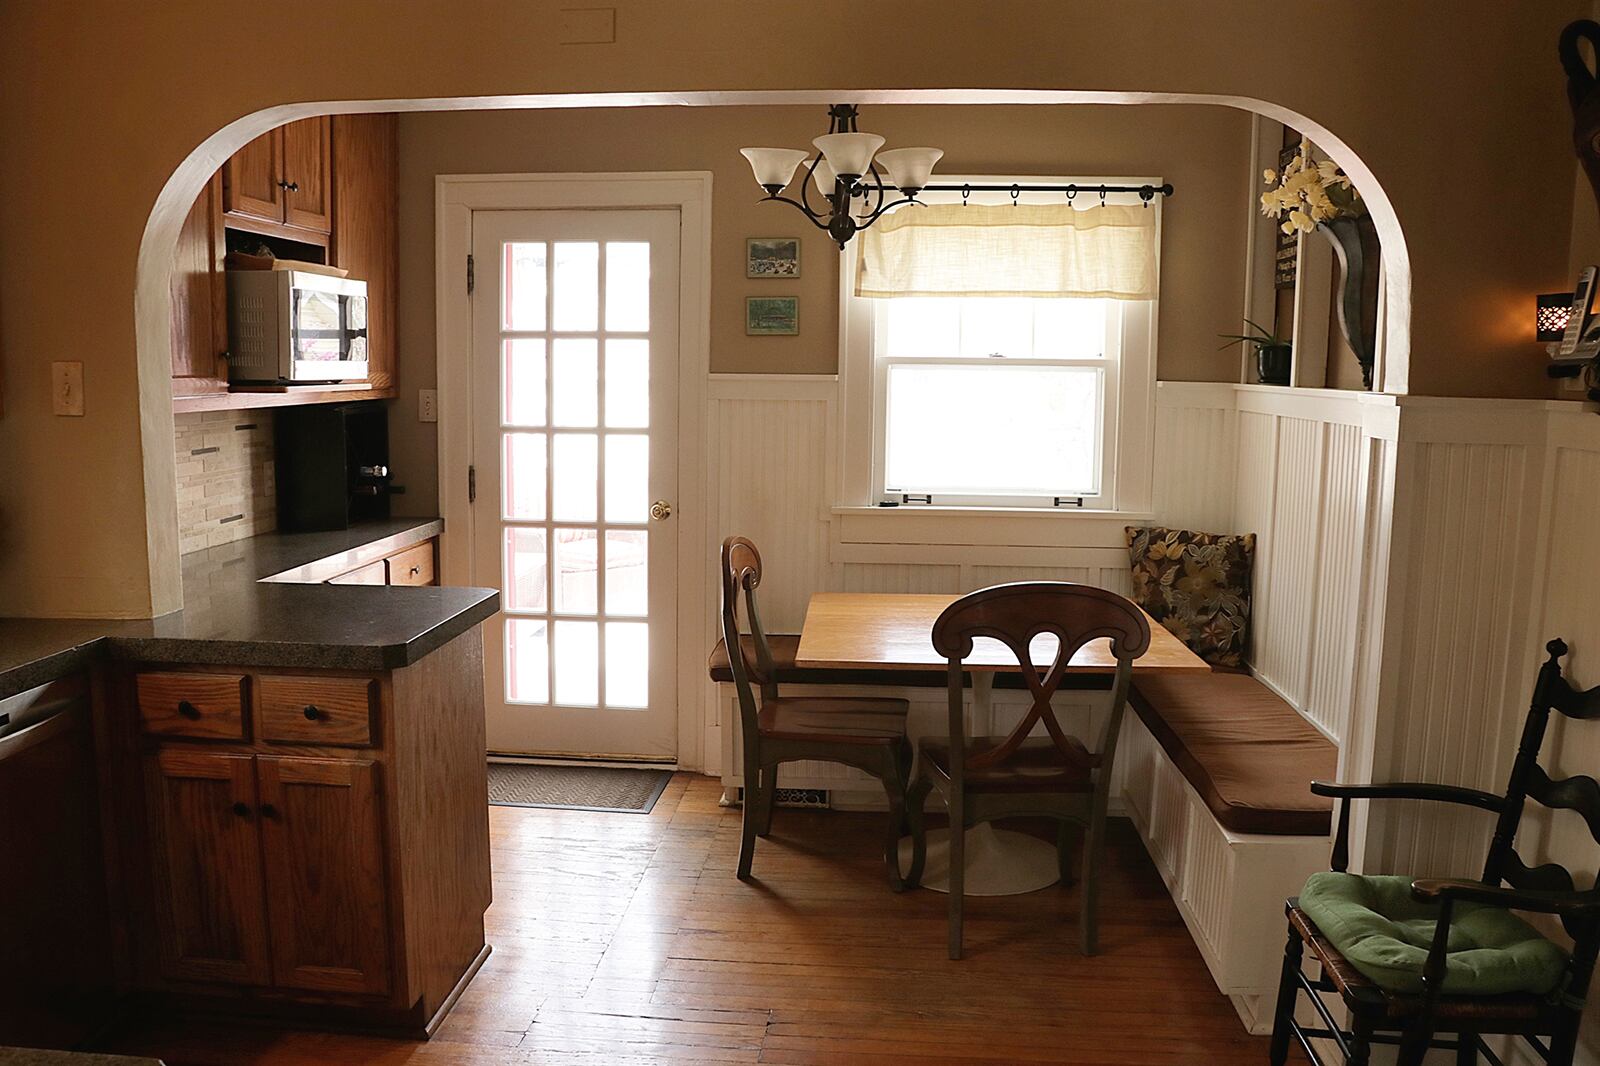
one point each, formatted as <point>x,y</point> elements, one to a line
<point>317,710</point>
<point>209,706</point>
<point>371,574</point>
<point>414,566</point>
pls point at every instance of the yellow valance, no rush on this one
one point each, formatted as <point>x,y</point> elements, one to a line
<point>1048,250</point>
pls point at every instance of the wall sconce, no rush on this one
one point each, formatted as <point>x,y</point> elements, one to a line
<point>1550,315</point>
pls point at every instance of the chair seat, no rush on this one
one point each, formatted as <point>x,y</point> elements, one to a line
<point>1037,766</point>
<point>835,720</point>
<point>1374,924</point>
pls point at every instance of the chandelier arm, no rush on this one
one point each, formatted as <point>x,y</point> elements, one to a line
<point>805,188</point>
<point>812,216</point>
<point>870,219</point>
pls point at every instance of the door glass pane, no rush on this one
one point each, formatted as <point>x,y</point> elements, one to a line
<point>628,383</point>
<point>577,295</point>
<point>576,477</point>
<point>524,382</point>
<point>525,582</point>
<point>576,382</point>
<point>525,285</point>
<point>523,475</point>
<point>627,572</point>
<point>577,563</point>
<point>527,660</point>
<point>578,664</point>
<point>627,664</point>
<point>627,477</point>
<point>627,285</point>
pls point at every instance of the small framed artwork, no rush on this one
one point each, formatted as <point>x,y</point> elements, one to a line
<point>772,257</point>
<point>771,316</point>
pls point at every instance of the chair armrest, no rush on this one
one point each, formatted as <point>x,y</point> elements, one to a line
<point>1566,904</point>
<point>1470,797</point>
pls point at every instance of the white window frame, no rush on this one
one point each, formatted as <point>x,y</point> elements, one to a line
<point>1127,453</point>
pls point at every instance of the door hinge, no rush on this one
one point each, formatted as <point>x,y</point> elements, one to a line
<point>471,280</point>
<point>472,484</point>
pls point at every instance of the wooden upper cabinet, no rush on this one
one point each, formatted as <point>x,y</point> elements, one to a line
<point>322,838</point>
<point>365,242</point>
<point>251,179</point>
<point>208,867</point>
<point>282,177</point>
<point>200,298</point>
<point>308,185</point>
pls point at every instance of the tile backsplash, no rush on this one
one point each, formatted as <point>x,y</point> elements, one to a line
<point>226,487</point>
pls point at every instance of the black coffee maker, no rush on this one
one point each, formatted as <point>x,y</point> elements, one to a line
<point>332,465</point>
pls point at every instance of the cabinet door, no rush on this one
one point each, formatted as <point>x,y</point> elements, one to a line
<point>322,841</point>
<point>308,192</point>
<point>208,867</point>
<point>251,176</point>
<point>199,298</point>
<point>365,239</point>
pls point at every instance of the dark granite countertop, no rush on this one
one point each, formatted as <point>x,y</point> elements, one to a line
<point>263,602</point>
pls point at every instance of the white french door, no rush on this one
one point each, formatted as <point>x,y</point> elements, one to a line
<point>574,400</point>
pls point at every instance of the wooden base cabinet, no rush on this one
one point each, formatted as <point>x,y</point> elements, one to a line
<point>330,860</point>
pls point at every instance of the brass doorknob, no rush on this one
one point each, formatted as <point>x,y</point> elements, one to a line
<point>660,509</point>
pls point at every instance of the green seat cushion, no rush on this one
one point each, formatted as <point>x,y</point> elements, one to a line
<point>1376,924</point>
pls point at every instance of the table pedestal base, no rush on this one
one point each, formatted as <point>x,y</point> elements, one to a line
<point>999,862</point>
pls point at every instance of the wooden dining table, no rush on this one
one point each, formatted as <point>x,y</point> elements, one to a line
<point>893,632</point>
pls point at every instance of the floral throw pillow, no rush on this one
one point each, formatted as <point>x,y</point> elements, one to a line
<point>1198,586</point>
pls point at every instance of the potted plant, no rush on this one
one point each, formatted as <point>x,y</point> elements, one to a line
<point>1316,195</point>
<point>1274,354</point>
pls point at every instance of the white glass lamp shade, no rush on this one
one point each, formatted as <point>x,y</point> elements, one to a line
<point>824,177</point>
<point>909,168</point>
<point>773,166</point>
<point>849,154</point>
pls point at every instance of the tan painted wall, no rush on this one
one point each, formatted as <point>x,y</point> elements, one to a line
<point>102,101</point>
<point>1203,151</point>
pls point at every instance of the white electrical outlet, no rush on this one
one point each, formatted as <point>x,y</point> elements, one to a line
<point>427,405</point>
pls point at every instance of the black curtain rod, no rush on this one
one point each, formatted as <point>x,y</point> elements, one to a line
<point>1146,192</point>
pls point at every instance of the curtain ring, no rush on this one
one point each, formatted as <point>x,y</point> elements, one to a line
<point>1016,191</point>
<point>1072,193</point>
<point>1102,196</point>
<point>966,191</point>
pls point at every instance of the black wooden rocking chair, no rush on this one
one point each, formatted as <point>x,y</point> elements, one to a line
<point>1546,1017</point>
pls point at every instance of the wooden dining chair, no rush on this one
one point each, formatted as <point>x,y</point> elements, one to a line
<point>1055,776</point>
<point>864,732</point>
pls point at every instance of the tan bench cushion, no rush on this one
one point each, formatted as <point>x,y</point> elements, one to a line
<point>1249,755</point>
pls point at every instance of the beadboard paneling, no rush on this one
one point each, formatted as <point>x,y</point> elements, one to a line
<point>1331,679</point>
<point>1195,427</point>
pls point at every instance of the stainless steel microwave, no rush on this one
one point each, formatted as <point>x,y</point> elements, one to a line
<point>295,326</point>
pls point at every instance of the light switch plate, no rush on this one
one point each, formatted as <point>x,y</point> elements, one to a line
<point>427,405</point>
<point>66,389</point>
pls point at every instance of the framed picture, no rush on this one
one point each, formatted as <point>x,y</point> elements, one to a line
<point>771,316</point>
<point>772,257</point>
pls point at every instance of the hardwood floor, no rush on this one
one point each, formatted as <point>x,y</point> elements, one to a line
<point>623,939</point>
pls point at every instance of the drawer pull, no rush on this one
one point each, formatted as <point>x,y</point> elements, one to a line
<point>415,570</point>
<point>268,811</point>
<point>312,714</point>
<point>242,809</point>
<point>189,710</point>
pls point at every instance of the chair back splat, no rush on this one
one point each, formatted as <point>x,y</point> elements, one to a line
<point>741,573</point>
<point>1015,615</point>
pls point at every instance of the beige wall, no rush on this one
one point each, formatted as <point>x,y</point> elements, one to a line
<point>1203,151</point>
<point>103,101</point>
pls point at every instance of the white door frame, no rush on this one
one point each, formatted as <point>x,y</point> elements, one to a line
<point>456,196</point>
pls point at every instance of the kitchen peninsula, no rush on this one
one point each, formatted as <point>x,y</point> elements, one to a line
<point>291,779</point>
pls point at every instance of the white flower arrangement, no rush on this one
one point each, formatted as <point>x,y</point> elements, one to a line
<point>1309,192</point>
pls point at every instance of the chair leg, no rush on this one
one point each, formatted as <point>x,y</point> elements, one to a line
<point>1093,845</point>
<point>1064,834</point>
<point>958,869</point>
<point>1283,1013</point>
<point>916,798</point>
<point>1564,1042</point>
<point>1360,1044</point>
<point>1467,1049</point>
<point>1414,1044</point>
<point>893,776</point>
<point>750,816</point>
<point>769,799</point>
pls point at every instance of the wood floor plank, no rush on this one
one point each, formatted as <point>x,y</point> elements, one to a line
<point>624,939</point>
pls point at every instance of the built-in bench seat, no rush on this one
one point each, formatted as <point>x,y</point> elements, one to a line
<point>1216,775</point>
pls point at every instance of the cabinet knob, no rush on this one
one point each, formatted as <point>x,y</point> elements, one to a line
<point>242,809</point>
<point>268,811</point>
<point>188,710</point>
<point>292,186</point>
<point>415,570</point>
<point>312,714</point>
